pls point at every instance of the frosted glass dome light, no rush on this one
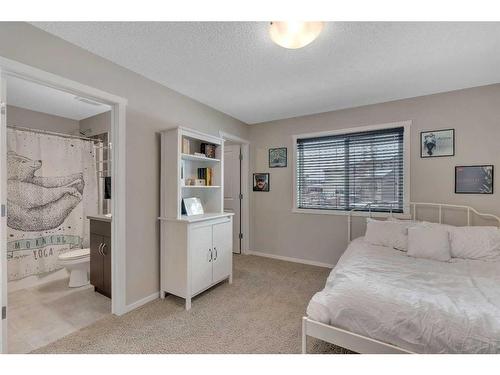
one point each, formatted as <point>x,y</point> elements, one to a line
<point>294,34</point>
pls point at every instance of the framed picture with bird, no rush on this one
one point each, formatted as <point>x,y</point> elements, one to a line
<point>437,143</point>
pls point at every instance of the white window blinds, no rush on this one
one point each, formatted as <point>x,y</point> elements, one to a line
<point>342,172</point>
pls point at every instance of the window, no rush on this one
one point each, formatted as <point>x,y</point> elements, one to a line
<point>350,170</point>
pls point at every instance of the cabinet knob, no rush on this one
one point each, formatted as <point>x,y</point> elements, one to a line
<point>210,251</point>
<point>215,257</point>
<point>102,249</point>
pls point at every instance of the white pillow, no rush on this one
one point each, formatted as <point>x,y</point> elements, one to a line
<point>387,233</point>
<point>398,220</point>
<point>475,242</point>
<point>408,222</point>
<point>429,243</point>
<point>429,224</point>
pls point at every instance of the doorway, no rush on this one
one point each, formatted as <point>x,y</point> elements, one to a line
<point>236,166</point>
<point>115,112</point>
<point>54,195</point>
<point>232,190</point>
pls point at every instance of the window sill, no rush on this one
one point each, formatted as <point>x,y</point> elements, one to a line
<point>353,213</point>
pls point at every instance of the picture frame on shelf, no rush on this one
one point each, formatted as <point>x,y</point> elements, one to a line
<point>261,182</point>
<point>278,157</point>
<point>474,179</point>
<point>437,143</point>
<point>208,150</point>
<point>192,206</point>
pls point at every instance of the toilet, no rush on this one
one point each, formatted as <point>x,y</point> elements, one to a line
<point>77,262</point>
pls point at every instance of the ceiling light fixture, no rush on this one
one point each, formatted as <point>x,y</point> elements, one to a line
<point>294,34</point>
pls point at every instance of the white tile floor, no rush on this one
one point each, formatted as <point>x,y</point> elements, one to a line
<point>40,315</point>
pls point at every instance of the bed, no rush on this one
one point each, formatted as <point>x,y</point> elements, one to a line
<point>380,300</point>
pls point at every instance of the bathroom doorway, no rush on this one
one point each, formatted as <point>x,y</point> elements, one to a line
<point>57,185</point>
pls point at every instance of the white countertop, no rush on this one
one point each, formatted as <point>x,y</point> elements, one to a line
<point>195,218</point>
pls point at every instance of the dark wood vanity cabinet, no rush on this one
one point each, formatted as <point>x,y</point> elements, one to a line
<point>100,256</point>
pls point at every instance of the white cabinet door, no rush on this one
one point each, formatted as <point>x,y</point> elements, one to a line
<point>201,257</point>
<point>223,249</point>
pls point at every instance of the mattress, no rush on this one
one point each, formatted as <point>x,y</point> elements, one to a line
<point>421,305</point>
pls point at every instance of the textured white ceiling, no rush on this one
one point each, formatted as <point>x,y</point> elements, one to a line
<point>235,68</point>
<point>36,97</point>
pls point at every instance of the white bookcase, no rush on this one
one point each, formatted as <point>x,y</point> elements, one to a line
<point>196,251</point>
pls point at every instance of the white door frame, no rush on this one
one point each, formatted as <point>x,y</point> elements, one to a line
<point>118,130</point>
<point>245,187</point>
<point>3,218</point>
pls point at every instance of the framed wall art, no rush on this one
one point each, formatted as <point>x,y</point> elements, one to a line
<point>474,179</point>
<point>437,143</point>
<point>261,182</point>
<point>277,157</point>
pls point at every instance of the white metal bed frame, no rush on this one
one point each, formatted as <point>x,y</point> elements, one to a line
<point>363,344</point>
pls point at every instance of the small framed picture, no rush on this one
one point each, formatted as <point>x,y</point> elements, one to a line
<point>437,143</point>
<point>192,206</point>
<point>261,182</point>
<point>277,157</point>
<point>474,179</point>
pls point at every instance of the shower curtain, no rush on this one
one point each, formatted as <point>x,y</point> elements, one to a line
<point>52,187</point>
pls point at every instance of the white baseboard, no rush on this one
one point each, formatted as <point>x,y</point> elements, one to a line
<point>290,259</point>
<point>141,302</point>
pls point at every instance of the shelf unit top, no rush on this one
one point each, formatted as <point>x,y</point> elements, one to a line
<point>196,218</point>
<point>198,158</point>
<point>195,134</point>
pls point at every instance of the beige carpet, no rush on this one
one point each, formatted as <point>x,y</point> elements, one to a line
<point>259,313</point>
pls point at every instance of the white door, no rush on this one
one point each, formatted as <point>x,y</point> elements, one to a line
<point>201,256</point>
<point>232,190</point>
<point>222,245</point>
<point>3,218</point>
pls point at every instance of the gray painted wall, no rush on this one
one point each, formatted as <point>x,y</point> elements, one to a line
<point>97,124</point>
<point>23,117</point>
<point>17,116</point>
<point>475,115</point>
<point>151,108</point>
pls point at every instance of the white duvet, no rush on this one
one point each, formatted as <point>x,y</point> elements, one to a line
<point>421,305</point>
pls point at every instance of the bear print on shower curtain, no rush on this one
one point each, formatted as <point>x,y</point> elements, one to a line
<point>51,188</point>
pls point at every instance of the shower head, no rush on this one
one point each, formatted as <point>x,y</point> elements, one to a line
<point>85,132</point>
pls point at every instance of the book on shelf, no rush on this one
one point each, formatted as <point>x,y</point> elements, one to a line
<point>185,146</point>
<point>206,174</point>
